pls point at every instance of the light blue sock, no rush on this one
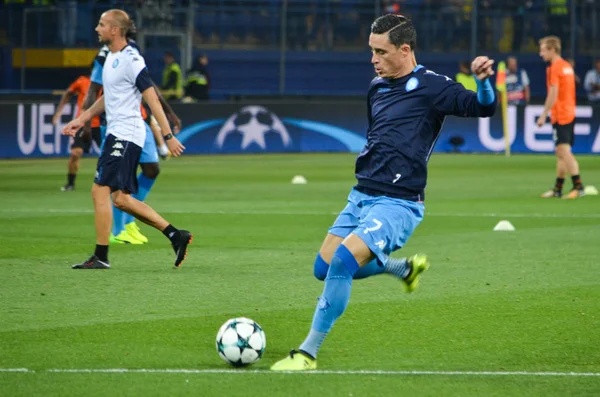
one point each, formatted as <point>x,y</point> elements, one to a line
<point>118,221</point>
<point>372,268</point>
<point>334,299</point>
<point>144,186</point>
<point>320,267</point>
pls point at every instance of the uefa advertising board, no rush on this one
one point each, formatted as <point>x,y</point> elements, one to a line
<point>26,129</point>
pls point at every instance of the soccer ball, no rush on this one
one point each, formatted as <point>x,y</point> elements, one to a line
<point>241,341</point>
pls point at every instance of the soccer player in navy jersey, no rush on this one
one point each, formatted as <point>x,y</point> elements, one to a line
<point>407,105</point>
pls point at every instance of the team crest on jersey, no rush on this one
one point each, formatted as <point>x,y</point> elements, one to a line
<point>115,63</point>
<point>412,83</point>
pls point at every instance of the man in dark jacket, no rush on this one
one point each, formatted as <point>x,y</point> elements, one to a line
<point>197,83</point>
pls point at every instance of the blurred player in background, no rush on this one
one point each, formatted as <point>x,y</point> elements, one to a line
<point>560,102</point>
<point>125,230</point>
<point>126,82</point>
<point>407,106</point>
<point>577,78</point>
<point>465,76</point>
<point>517,83</point>
<point>82,142</point>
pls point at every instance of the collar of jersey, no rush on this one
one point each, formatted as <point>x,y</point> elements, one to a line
<point>416,69</point>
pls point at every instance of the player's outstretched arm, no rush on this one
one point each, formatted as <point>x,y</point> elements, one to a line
<point>163,149</point>
<point>482,67</point>
<point>90,96</point>
<point>151,98</point>
<point>66,97</point>
<point>168,111</point>
<point>452,98</point>
<point>75,125</point>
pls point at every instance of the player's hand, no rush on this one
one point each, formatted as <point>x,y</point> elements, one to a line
<point>541,120</point>
<point>55,119</point>
<point>175,147</point>
<point>72,127</point>
<point>176,121</point>
<point>482,67</point>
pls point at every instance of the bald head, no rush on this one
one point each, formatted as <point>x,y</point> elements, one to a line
<point>113,27</point>
<point>119,19</point>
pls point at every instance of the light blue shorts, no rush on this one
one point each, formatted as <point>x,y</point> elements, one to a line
<point>383,223</point>
<point>149,151</point>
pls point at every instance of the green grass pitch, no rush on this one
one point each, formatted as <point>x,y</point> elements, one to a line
<point>498,313</point>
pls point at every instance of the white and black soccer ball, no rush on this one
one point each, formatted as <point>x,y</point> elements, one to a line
<point>253,128</point>
<point>241,341</point>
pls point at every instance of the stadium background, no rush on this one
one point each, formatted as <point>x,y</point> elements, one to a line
<point>498,313</point>
<point>290,57</point>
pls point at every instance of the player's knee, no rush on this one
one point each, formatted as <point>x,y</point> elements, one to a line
<point>320,268</point>
<point>120,200</point>
<point>100,194</point>
<point>150,170</point>
<point>563,150</point>
<point>343,263</point>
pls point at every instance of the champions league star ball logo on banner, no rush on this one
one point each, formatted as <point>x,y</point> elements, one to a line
<point>253,126</point>
<point>256,129</point>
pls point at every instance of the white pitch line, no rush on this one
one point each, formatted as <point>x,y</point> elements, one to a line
<point>316,372</point>
<point>171,211</point>
<point>275,212</point>
<point>499,215</point>
<point>15,370</point>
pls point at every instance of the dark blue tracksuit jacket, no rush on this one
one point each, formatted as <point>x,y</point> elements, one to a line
<point>405,118</point>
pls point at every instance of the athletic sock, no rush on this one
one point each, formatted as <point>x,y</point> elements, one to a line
<point>102,252</point>
<point>577,182</point>
<point>172,233</point>
<point>334,300</point>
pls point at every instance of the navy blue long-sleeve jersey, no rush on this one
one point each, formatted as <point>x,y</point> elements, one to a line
<point>405,118</point>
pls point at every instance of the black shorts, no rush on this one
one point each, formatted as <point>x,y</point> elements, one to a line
<point>563,133</point>
<point>117,165</point>
<point>79,142</point>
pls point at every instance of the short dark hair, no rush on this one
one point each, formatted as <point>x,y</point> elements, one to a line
<point>400,28</point>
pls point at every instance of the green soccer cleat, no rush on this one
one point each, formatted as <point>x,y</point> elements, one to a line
<point>134,231</point>
<point>418,264</point>
<point>296,361</point>
<point>124,238</point>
